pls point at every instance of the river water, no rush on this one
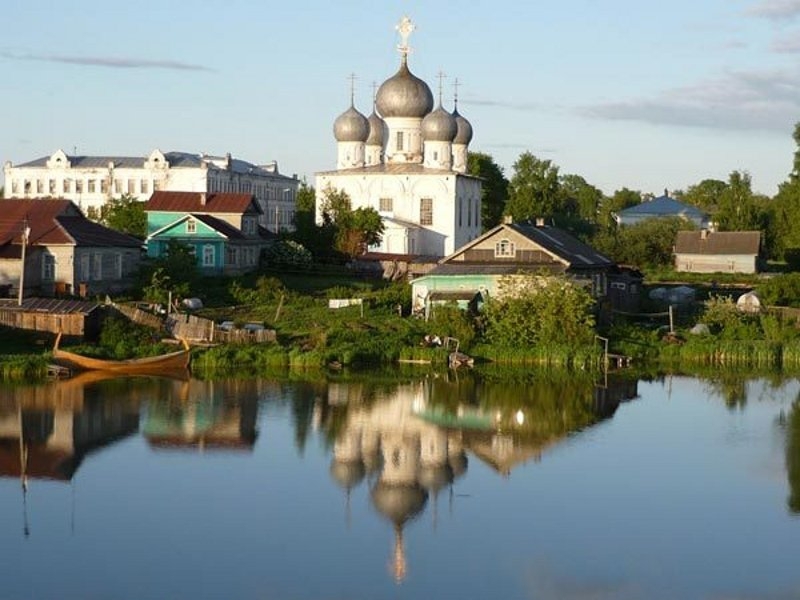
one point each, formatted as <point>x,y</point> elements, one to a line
<point>401,485</point>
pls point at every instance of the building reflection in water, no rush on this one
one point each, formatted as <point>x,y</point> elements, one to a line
<point>411,442</point>
<point>204,416</point>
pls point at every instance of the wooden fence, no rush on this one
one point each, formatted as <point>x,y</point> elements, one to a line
<point>68,324</point>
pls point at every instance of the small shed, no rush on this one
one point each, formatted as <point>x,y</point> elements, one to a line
<point>717,251</point>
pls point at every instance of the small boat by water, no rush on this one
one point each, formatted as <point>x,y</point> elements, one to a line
<point>171,361</point>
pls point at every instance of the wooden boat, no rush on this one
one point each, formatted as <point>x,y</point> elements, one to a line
<point>172,361</point>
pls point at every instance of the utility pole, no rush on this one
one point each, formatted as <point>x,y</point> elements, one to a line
<point>26,232</point>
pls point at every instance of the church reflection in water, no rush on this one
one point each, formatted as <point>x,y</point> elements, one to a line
<point>411,442</point>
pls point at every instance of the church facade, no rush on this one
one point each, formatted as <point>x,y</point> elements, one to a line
<point>408,161</point>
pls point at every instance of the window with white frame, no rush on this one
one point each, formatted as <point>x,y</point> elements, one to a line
<point>400,141</point>
<point>51,187</point>
<point>208,255</point>
<point>426,211</point>
<point>90,186</point>
<point>48,267</point>
<point>230,255</point>
<point>66,186</point>
<point>40,186</point>
<point>191,225</point>
<point>505,249</point>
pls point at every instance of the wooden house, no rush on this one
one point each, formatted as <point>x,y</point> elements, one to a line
<point>707,251</point>
<point>221,229</point>
<point>474,271</point>
<point>65,253</point>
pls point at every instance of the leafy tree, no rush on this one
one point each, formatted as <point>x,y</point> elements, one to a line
<point>306,230</point>
<point>619,200</point>
<point>530,310</point>
<point>784,214</point>
<point>175,271</point>
<point>648,243</point>
<point>781,290</point>
<point>738,206</point>
<point>534,189</point>
<point>353,231</point>
<point>705,195</point>
<point>579,198</point>
<point>125,214</point>
<point>495,187</point>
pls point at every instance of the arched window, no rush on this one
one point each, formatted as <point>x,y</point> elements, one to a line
<point>505,249</point>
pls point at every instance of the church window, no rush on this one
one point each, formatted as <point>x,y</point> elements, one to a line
<point>39,186</point>
<point>505,249</point>
<point>191,226</point>
<point>66,186</point>
<point>386,205</point>
<point>52,186</point>
<point>426,211</point>
<point>400,141</point>
<point>14,186</point>
<point>435,155</point>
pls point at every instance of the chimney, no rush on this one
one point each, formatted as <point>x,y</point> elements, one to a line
<point>202,198</point>
<point>540,221</point>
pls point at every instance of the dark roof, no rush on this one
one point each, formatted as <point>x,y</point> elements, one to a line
<point>563,245</point>
<point>718,242</point>
<point>52,305</point>
<point>221,226</point>
<point>191,202</point>
<point>663,206</point>
<point>89,233</point>
<point>93,162</point>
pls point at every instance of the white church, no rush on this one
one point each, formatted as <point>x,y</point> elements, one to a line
<point>408,161</point>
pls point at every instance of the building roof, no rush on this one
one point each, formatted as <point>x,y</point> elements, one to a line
<point>92,162</point>
<point>663,206</point>
<point>55,221</point>
<point>192,202</point>
<point>54,306</point>
<point>718,242</point>
<point>223,227</point>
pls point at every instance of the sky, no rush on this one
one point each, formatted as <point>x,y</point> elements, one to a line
<point>625,93</point>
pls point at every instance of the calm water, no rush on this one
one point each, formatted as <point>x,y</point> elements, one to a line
<point>493,487</point>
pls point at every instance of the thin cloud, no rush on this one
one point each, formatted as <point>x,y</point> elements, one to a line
<point>107,61</point>
<point>776,10</point>
<point>787,45</point>
<point>526,106</point>
<point>736,101</point>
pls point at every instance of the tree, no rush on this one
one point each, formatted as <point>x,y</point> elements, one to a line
<point>125,214</point>
<point>648,243</point>
<point>784,213</point>
<point>352,231</point>
<point>738,207</point>
<point>705,195</point>
<point>495,187</point>
<point>305,215</point>
<point>534,189</point>
<point>530,310</point>
<point>175,272</point>
<point>579,198</point>
<point>619,200</point>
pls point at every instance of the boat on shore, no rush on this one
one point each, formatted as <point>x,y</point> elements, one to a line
<point>172,361</point>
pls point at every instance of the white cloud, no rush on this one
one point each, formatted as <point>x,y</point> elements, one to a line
<point>743,100</point>
<point>108,61</point>
<point>789,44</point>
<point>777,10</point>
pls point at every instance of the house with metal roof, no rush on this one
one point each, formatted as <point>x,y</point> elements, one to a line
<point>707,251</point>
<point>660,207</point>
<point>222,230</point>
<point>474,271</point>
<point>64,252</point>
<point>91,181</point>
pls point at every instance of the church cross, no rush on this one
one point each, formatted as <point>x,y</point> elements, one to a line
<point>405,28</point>
<point>441,75</point>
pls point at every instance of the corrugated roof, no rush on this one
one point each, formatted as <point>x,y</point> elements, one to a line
<point>718,242</point>
<point>191,202</point>
<point>563,245</point>
<point>58,306</point>
<point>40,214</point>
<point>457,268</point>
<point>663,206</point>
<point>93,162</point>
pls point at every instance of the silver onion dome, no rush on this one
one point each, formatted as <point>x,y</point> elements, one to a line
<point>464,135</point>
<point>377,130</point>
<point>351,126</point>
<point>439,126</point>
<point>404,95</point>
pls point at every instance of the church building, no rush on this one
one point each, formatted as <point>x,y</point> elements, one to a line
<point>408,161</point>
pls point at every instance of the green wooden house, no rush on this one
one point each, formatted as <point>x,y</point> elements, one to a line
<point>221,229</point>
<point>472,273</point>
